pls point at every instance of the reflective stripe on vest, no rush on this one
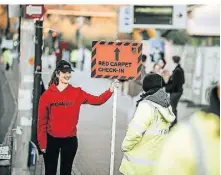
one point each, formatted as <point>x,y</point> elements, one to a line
<point>139,161</point>
<point>157,132</point>
<point>137,128</point>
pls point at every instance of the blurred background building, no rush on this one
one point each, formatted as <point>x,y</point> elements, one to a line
<point>101,21</point>
<point>70,27</point>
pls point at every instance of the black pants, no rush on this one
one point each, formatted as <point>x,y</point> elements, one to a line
<point>74,64</point>
<point>7,67</point>
<point>67,147</point>
<point>174,99</point>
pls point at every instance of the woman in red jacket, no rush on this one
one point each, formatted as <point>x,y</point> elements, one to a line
<point>58,115</point>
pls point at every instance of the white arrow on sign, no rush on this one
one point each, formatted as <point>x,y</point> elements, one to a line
<point>30,10</point>
<point>5,157</point>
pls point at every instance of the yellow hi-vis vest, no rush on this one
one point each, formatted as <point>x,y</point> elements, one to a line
<point>74,56</point>
<point>144,137</point>
<point>7,57</point>
<point>185,154</point>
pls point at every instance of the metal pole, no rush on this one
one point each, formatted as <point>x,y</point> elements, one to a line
<point>114,120</point>
<point>113,133</point>
<point>19,33</point>
<point>37,77</point>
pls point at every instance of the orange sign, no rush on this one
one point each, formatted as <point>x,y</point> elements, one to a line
<point>31,61</point>
<point>116,60</point>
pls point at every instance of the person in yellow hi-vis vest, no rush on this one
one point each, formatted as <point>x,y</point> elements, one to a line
<point>193,147</point>
<point>74,58</point>
<point>148,128</point>
<point>7,58</point>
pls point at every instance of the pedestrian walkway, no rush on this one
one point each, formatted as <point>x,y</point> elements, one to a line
<point>40,169</point>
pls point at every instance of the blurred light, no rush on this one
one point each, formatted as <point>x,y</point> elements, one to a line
<point>15,43</point>
<point>204,21</point>
<point>136,35</point>
<point>151,33</point>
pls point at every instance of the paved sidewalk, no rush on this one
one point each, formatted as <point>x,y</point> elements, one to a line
<point>94,133</point>
<point>40,169</point>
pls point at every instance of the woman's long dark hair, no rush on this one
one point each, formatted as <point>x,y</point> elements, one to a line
<point>54,78</point>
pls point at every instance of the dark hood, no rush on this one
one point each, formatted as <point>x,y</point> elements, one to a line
<point>160,97</point>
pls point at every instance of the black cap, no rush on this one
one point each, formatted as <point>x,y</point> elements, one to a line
<point>64,66</point>
<point>152,81</point>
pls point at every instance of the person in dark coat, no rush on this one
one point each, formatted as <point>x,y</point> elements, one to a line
<point>175,86</point>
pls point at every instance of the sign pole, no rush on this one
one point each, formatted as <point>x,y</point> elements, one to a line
<point>114,117</point>
<point>37,78</point>
<point>113,131</point>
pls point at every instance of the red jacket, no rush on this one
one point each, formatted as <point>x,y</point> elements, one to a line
<point>58,112</point>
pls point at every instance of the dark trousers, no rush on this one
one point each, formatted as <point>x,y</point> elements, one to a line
<point>174,99</point>
<point>74,64</point>
<point>7,67</point>
<point>67,147</point>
